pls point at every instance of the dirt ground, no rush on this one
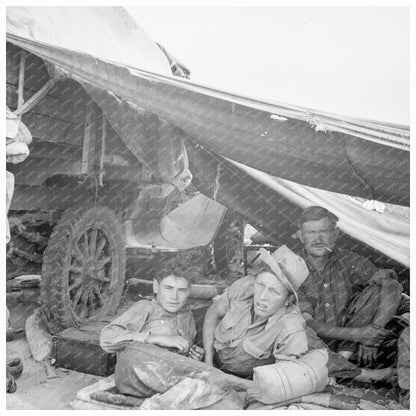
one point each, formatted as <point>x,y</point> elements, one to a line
<point>41,387</point>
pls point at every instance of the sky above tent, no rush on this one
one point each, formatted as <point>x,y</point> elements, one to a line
<point>347,60</point>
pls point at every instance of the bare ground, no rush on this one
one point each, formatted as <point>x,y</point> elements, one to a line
<point>39,386</point>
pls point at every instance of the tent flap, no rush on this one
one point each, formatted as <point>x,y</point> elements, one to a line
<point>246,132</point>
<point>273,206</point>
<point>193,224</point>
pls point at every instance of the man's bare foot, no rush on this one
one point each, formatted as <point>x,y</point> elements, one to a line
<point>382,374</point>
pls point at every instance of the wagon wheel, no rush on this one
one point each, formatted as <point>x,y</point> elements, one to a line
<point>83,267</point>
<point>229,243</point>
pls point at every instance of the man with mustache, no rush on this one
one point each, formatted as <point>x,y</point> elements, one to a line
<point>345,300</point>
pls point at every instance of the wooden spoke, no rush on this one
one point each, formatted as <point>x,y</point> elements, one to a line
<point>101,244</point>
<point>102,262</point>
<point>85,247</point>
<point>91,300</point>
<point>75,269</point>
<point>77,296</point>
<point>93,242</point>
<point>78,254</point>
<point>101,276</point>
<point>77,283</point>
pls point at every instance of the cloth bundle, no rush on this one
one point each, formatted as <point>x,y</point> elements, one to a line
<point>288,379</point>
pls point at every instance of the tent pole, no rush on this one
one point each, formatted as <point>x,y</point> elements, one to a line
<point>22,66</point>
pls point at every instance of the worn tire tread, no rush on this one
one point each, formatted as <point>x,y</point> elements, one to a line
<point>56,264</point>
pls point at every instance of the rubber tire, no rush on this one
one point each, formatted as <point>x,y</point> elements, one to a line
<point>54,294</point>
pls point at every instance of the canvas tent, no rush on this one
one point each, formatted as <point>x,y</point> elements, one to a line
<point>229,138</point>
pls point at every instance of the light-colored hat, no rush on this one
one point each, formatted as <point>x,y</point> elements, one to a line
<point>289,268</point>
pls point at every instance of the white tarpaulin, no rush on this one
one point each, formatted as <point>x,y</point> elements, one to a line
<point>387,232</point>
<point>121,39</point>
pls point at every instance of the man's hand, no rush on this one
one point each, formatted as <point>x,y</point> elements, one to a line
<point>170,341</point>
<point>196,352</point>
<point>367,355</point>
<point>371,335</point>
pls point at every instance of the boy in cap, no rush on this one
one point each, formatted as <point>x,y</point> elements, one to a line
<point>256,321</point>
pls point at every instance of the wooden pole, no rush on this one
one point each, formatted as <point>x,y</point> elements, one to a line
<point>88,145</point>
<point>20,88</point>
<point>198,291</point>
<point>102,156</point>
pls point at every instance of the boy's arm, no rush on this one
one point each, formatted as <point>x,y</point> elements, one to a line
<point>125,328</point>
<point>368,335</point>
<point>169,341</point>
<point>212,318</point>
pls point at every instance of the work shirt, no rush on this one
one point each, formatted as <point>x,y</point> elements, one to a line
<point>143,318</point>
<point>326,294</point>
<point>242,344</point>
